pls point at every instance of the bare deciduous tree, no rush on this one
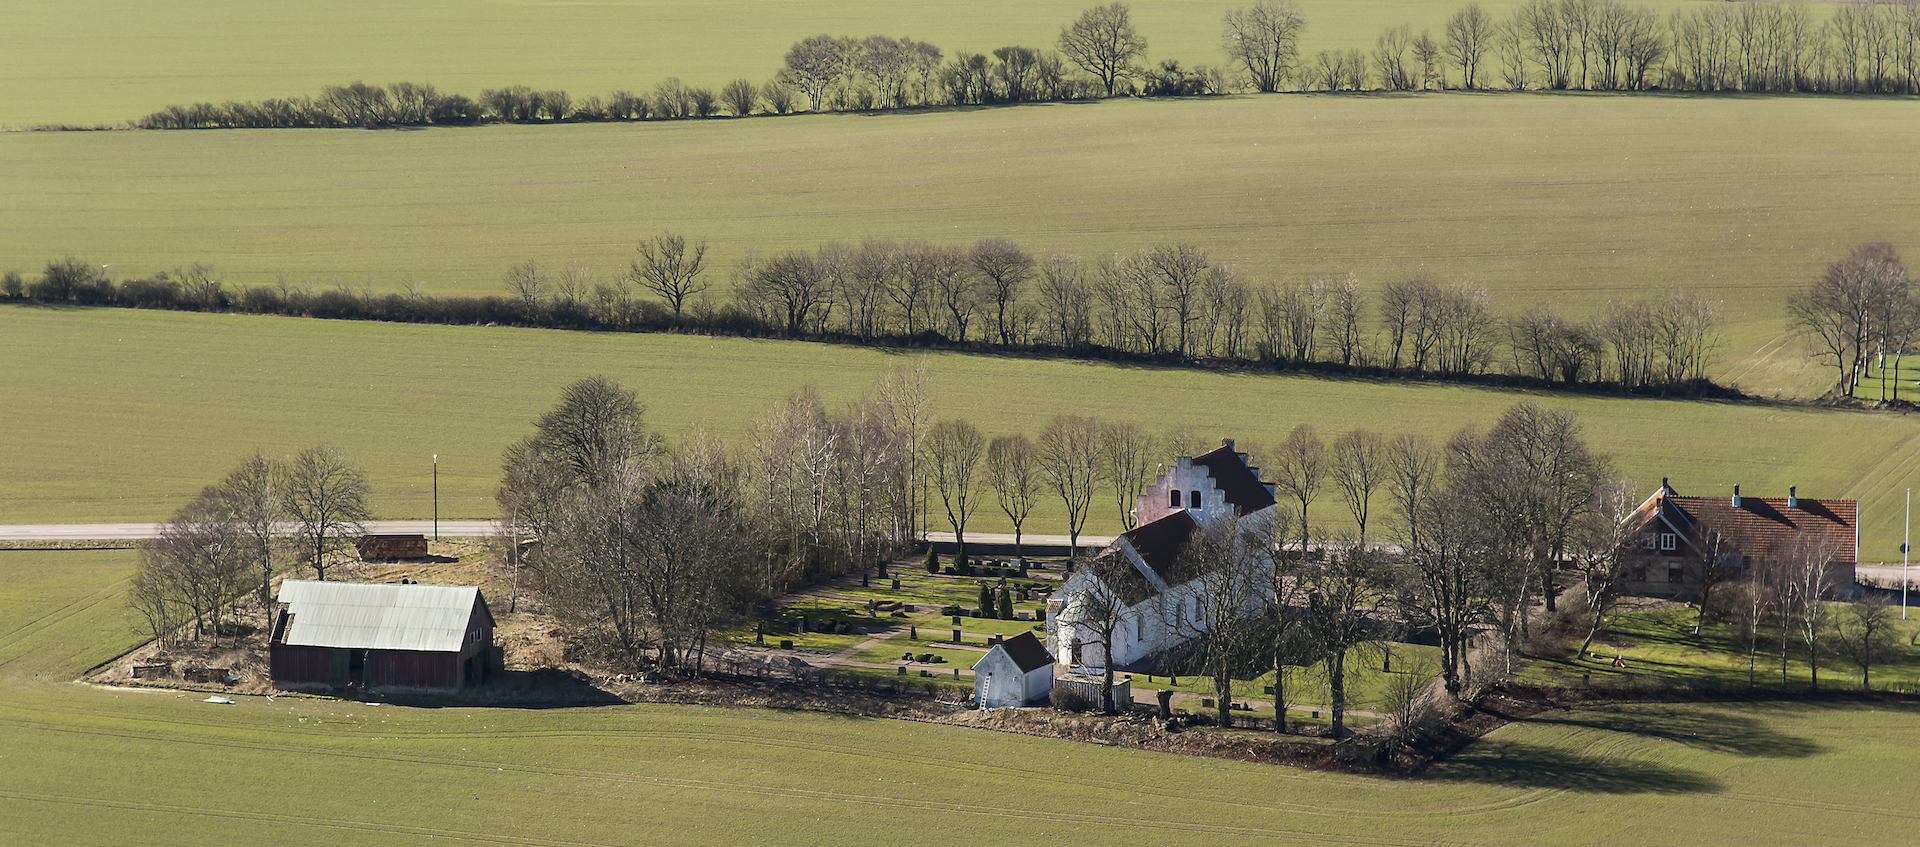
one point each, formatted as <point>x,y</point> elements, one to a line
<point>954,448</point>
<point>1264,41</point>
<point>667,268</point>
<point>252,498</point>
<point>1069,448</point>
<point>1359,468</point>
<point>1854,309</point>
<point>1127,461</point>
<point>192,570</point>
<point>1013,469</point>
<point>1004,267</point>
<point>1869,636</point>
<point>1343,593</point>
<point>1300,471</point>
<point>1470,33</point>
<point>1103,43</point>
<point>327,496</point>
<point>529,282</point>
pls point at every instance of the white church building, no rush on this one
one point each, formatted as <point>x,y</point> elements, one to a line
<point>1160,607</point>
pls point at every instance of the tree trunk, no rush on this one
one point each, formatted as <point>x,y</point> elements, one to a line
<point>1337,691</point>
<point>1279,693</point>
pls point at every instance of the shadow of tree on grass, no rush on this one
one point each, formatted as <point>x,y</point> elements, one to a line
<point>1520,765</point>
<point>1695,725</point>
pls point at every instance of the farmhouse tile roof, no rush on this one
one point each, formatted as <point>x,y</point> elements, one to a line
<point>1027,652</point>
<point>1238,482</point>
<point>369,616</point>
<point>1760,527</point>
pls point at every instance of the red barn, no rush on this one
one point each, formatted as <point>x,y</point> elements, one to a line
<point>330,635</point>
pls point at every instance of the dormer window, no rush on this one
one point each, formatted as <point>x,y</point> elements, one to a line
<point>1193,499</point>
<point>1669,542</point>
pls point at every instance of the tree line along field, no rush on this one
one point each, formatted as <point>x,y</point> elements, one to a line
<point>86,764</point>
<point>122,415</point>
<point>111,61</point>
<point>1569,199</point>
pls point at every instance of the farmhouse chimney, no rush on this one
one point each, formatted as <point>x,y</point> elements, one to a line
<point>1736,496</point>
<point>1227,443</point>
<point>1664,487</point>
<point>1793,496</point>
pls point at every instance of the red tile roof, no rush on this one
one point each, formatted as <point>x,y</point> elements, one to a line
<point>1761,527</point>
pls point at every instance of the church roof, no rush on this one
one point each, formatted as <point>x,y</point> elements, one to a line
<point>1238,482</point>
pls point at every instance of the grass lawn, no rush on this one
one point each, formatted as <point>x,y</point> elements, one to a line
<point>1570,198</point>
<point>1660,648</point>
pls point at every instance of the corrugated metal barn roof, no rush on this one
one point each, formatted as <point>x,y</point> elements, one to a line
<point>368,616</point>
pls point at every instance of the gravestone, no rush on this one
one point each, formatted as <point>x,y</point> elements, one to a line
<point>1165,696</point>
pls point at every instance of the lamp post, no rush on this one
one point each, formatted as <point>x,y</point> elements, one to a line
<point>436,496</point>
<point>1906,541</point>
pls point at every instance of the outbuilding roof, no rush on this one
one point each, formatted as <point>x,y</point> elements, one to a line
<point>379,616</point>
<point>1027,652</point>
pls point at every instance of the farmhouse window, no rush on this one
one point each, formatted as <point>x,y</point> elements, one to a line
<point>1639,573</point>
<point>1674,572</point>
<point>1193,499</point>
<point>1669,541</point>
<point>1653,541</point>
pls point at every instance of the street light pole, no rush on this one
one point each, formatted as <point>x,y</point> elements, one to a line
<point>1906,541</point>
<point>436,496</point>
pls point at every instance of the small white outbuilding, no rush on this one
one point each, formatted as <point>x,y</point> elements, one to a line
<point>1015,672</point>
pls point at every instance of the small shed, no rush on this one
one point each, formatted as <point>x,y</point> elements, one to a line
<point>1014,672</point>
<point>330,635</point>
<point>375,547</point>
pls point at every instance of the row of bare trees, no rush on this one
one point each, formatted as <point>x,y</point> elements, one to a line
<point>1617,45</point>
<point>1175,299</point>
<point>234,535</point>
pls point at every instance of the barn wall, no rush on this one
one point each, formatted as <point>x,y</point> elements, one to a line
<point>413,669</point>
<point>294,667</point>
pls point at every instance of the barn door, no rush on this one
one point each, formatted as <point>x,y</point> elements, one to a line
<point>340,669</point>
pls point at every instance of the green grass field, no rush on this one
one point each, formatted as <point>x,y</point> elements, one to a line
<point>85,765</point>
<point>1568,199</point>
<point>110,61</point>
<point>122,415</point>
